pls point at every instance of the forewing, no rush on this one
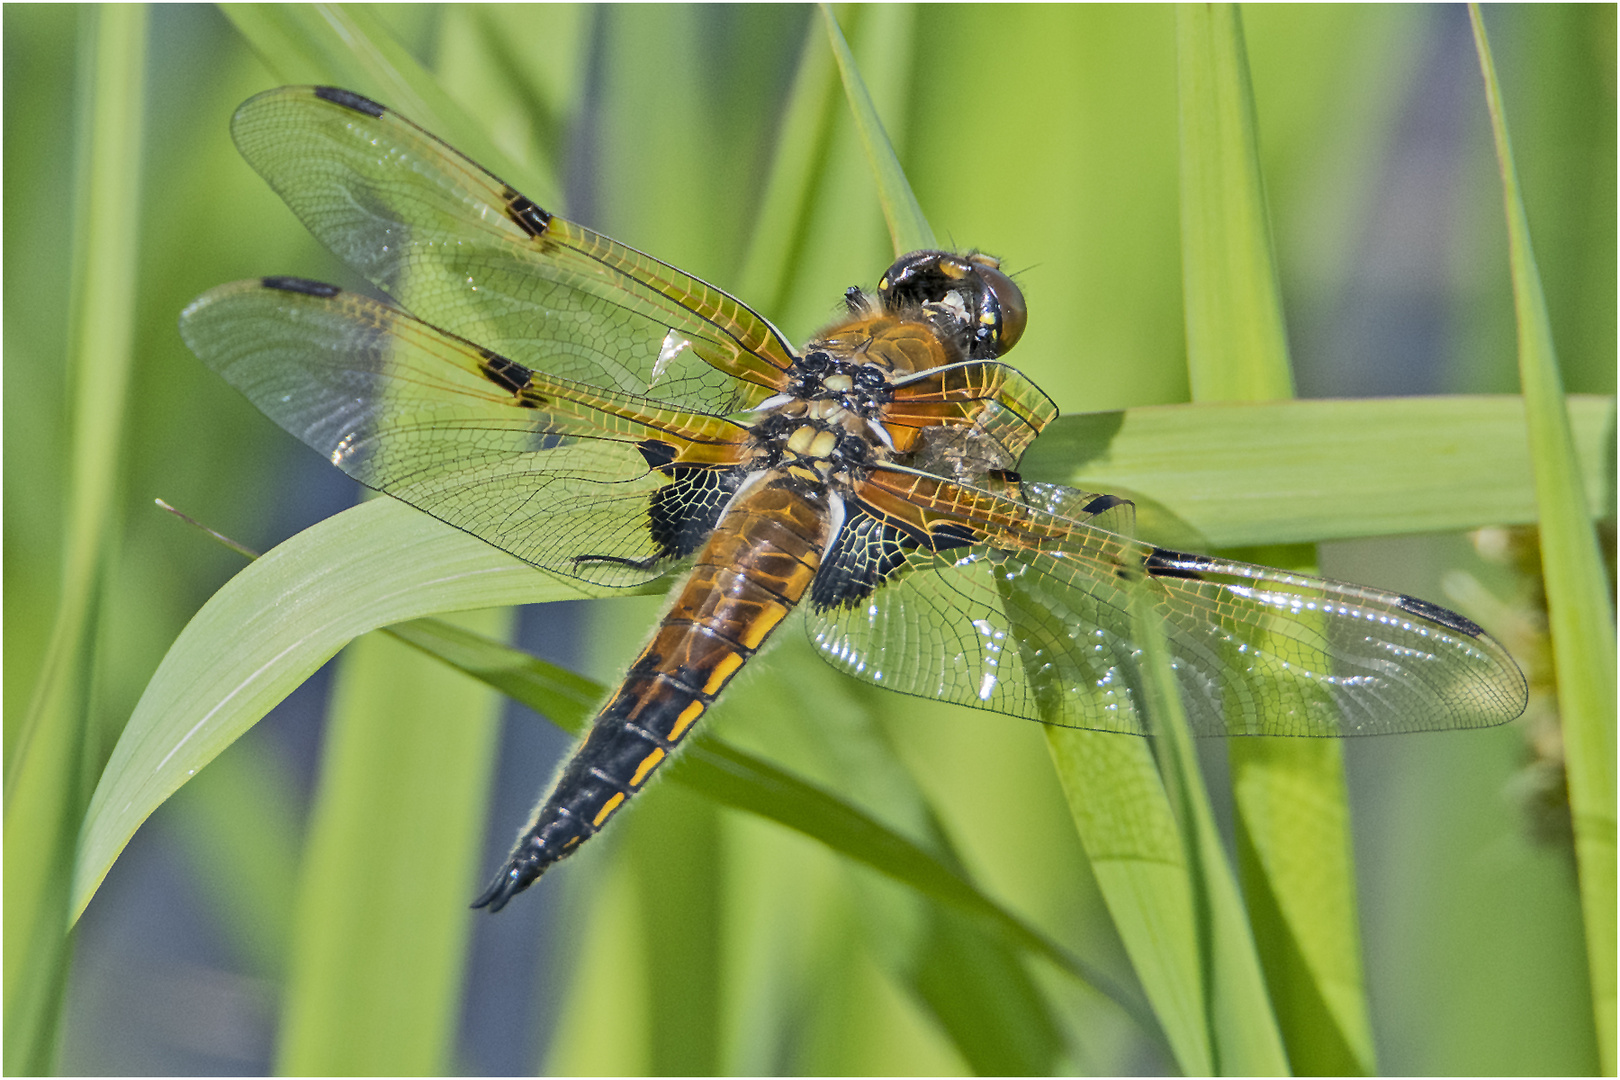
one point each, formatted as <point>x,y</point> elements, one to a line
<point>557,473</point>
<point>1033,617</point>
<point>462,250</point>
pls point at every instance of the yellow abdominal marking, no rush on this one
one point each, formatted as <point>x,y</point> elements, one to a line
<point>608,808</point>
<point>648,764</point>
<point>760,627</point>
<point>723,670</point>
<point>687,718</point>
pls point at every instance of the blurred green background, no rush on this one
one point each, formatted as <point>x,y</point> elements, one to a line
<point>697,940</point>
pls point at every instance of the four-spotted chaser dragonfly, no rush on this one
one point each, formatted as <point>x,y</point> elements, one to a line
<point>603,415</point>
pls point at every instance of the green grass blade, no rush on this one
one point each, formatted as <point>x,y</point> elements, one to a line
<point>1579,613</point>
<point>1118,804</point>
<point>1293,820</point>
<point>797,165</point>
<point>1237,347</point>
<point>738,779</point>
<point>383,925</point>
<point>271,627</point>
<point>1243,1030</point>
<point>1307,471</point>
<point>44,790</point>
<point>891,27</point>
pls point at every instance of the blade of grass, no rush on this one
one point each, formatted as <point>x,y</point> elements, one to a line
<point>382,923</point>
<point>1308,471</point>
<point>781,229</point>
<point>908,228</point>
<point>1580,616</point>
<point>1293,820</point>
<point>1243,1030</point>
<point>740,780</point>
<point>1118,804</point>
<point>44,791</point>
<point>271,627</point>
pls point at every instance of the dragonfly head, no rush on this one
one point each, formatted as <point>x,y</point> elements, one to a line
<point>969,296</point>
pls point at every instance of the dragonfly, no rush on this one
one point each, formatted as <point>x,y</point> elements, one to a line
<point>603,415</point>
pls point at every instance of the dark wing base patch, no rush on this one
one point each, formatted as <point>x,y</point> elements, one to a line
<point>685,511</point>
<point>868,552</point>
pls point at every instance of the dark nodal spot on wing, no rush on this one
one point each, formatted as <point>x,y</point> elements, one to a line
<point>349,100</point>
<point>1006,476</point>
<point>1101,504</point>
<point>1162,562</point>
<point>1437,614</point>
<point>529,217</point>
<point>658,454</point>
<point>506,374</point>
<point>300,285</point>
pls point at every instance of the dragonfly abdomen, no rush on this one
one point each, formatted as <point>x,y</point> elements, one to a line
<point>754,568</point>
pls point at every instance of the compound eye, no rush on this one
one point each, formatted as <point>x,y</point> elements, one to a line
<point>1004,305</point>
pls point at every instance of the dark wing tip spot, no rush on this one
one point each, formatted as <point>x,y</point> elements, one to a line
<point>1101,504</point>
<point>1437,614</point>
<point>300,285</point>
<point>1162,562</point>
<point>348,99</point>
<point>1006,476</point>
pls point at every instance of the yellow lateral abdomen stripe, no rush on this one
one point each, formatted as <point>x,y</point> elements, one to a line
<point>648,764</point>
<point>723,670</point>
<point>608,808</point>
<point>687,718</point>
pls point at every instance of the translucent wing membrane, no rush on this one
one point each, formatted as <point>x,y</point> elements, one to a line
<point>1033,618</point>
<point>460,249</point>
<point>981,408</point>
<point>569,477</point>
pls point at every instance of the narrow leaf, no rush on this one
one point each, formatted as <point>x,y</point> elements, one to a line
<point>44,789</point>
<point>1306,471</point>
<point>1293,818</point>
<point>908,228</point>
<point>1580,615</point>
<point>268,630</point>
<point>742,781</point>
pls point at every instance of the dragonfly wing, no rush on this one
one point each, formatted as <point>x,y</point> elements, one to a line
<point>462,250</point>
<point>964,419</point>
<point>1025,606</point>
<point>569,477</point>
